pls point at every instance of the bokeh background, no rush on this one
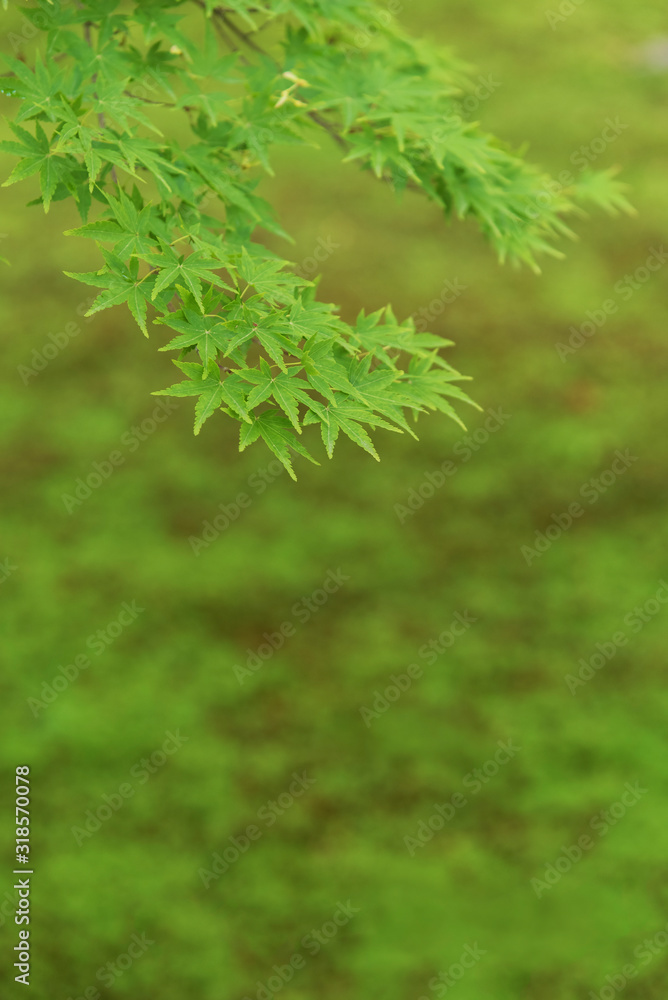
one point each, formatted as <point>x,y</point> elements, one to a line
<point>172,669</point>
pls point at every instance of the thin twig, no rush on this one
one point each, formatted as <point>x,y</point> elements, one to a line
<point>329,128</point>
<point>100,115</point>
<point>244,36</point>
<point>221,14</point>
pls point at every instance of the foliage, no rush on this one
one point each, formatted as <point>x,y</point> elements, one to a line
<point>504,679</point>
<point>96,123</point>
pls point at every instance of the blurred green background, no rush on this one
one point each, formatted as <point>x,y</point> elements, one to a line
<point>172,668</point>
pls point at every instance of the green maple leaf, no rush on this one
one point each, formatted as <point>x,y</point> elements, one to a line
<point>156,22</point>
<point>324,373</point>
<point>378,337</point>
<point>277,433</point>
<point>377,390</point>
<point>213,391</point>
<point>186,269</point>
<point>114,71</point>
<point>136,150</point>
<point>36,156</point>
<point>205,333</point>
<point>39,89</point>
<point>268,276</point>
<point>129,231</point>
<point>422,387</point>
<point>348,417</point>
<point>345,419</point>
<point>286,389</point>
<point>122,284</point>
